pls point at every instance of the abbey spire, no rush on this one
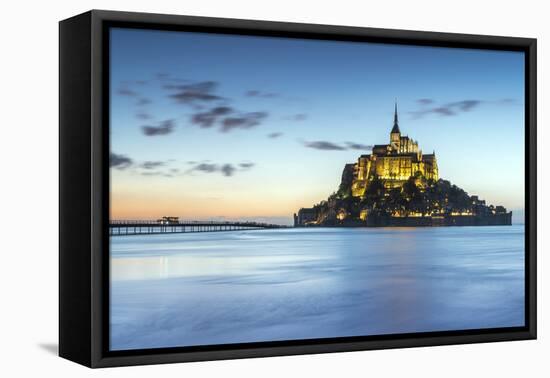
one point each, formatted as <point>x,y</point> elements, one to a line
<point>395,129</point>
<point>395,134</point>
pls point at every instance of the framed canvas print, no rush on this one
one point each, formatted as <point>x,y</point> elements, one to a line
<point>234,188</point>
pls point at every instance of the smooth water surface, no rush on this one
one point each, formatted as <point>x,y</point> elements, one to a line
<point>266,285</point>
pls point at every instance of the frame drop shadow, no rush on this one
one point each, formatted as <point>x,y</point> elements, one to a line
<point>52,348</point>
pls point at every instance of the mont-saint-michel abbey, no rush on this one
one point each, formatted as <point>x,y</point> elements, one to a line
<point>392,163</point>
<point>398,185</point>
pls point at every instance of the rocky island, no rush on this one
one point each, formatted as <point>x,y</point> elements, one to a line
<point>397,185</point>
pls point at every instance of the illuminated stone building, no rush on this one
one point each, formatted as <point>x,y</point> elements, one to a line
<point>392,163</point>
<point>427,200</point>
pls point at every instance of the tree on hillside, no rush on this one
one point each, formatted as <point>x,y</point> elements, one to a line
<point>374,194</point>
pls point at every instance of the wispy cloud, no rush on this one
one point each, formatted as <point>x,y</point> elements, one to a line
<point>200,92</point>
<point>226,169</point>
<point>165,127</point>
<point>205,167</point>
<point>274,135</point>
<point>144,115</point>
<point>158,168</point>
<point>358,146</point>
<point>156,174</point>
<point>142,101</point>
<point>296,117</point>
<point>447,110</point>
<point>262,94</point>
<point>210,109</point>
<point>427,107</point>
<point>246,165</point>
<point>203,94</point>
<point>152,164</point>
<point>125,91</point>
<point>119,161</point>
<point>209,118</point>
<point>425,101</point>
<point>244,121</point>
<point>324,145</point>
<point>465,105</point>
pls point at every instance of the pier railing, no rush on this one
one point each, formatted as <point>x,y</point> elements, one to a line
<point>149,227</point>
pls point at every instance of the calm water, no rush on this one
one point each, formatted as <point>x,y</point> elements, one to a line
<point>244,286</point>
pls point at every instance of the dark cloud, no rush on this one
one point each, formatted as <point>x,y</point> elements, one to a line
<point>274,135</point>
<point>205,167</point>
<point>358,146</point>
<point>165,127</point>
<point>147,168</point>
<point>331,146</point>
<point>208,119</point>
<point>221,110</point>
<point>246,165</point>
<point>210,108</point>
<point>258,93</point>
<point>425,101</point>
<point>324,145</point>
<point>447,110</point>
<point>126,90</point>
<point>244,121</point>
<point>152,164</point>
<point>444,111</point>
<point>228,169</point>
<point>194,93</point>
<point>466,105</point>
<point>119,161</point>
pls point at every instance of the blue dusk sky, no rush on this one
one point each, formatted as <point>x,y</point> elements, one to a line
<point>205,126</point>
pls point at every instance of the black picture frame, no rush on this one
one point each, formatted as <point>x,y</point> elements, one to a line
<point>84,188</point>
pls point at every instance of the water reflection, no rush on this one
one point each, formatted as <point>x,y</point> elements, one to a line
<point>193,289</point>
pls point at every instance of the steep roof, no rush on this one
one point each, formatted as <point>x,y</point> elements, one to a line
<point>395,128</point>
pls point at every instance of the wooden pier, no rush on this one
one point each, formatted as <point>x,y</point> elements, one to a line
<point>145,227</point>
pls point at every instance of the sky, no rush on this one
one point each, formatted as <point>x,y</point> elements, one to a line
<point>210,126</point>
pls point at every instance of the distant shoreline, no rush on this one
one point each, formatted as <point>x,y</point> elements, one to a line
<point>500,219</point>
